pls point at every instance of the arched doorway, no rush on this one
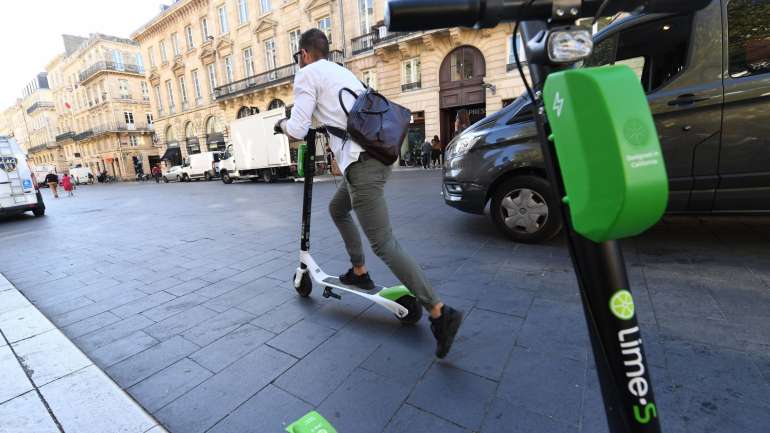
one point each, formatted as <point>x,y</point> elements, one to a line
<point>193,146</point>
<point>215,137</point>
<point>173,155</point>
<point>461,80</point>
<point>246,111</point>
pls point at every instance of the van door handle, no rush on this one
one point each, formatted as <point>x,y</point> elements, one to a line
<point>686,99</point>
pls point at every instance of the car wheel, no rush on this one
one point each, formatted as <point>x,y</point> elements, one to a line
<point>38,211</point>
<point>207,176</point>
<point>226,177</point>
<point>525,209</point>
<point>165,179</point>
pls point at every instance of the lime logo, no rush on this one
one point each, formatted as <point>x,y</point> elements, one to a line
<point>622,305</point>
<point>558,104</point>
<point>636,132</point>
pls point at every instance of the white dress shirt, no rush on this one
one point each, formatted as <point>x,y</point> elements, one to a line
<point>316,87</point>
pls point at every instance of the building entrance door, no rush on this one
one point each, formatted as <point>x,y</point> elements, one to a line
<point>461,80</point>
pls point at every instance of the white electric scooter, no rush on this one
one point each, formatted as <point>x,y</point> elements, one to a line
<point>397,299</point>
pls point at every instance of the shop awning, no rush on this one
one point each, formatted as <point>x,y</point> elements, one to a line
<point>172,153</point>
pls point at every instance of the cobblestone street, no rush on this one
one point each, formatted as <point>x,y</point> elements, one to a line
<point>181,293</point>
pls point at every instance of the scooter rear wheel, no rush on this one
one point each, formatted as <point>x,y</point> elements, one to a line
<point>415,309</point>
<point>305,285</point>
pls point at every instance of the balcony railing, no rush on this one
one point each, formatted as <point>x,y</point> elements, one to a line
<point>83,135</point>
<point>362,43</point>
<point>65,136</point>
<point>36,149</point>
<point>121,127</point>
<point>382,34</point>
<point>108,66</point>
<point>337,56</point>
<point>411,86</point>
<point>39,104</point>
<point>256,82</point>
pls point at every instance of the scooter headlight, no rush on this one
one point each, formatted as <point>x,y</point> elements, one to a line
<point>569,45</point>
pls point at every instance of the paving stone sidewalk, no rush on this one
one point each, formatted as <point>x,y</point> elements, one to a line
<point>181,293</point>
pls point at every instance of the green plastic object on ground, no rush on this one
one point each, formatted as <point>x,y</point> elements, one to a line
<point>301,159</point>
<point>312,422</point>
<point>608,150</point>
<point>395,292</point>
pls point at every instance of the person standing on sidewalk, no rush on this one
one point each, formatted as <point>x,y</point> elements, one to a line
<point>53,182</point>
<point>316,88</point>
<point>156,173</point>
<point>426,154</point>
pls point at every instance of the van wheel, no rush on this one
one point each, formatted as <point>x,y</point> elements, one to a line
<point>38,211</point>
<point>226,177</point>
<point>267,175</point>
<point>207,176</point>
<point>525,209</point>
<point>165,179</point>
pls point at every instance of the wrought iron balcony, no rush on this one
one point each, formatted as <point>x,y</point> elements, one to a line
<point>83,135</point>
<point>337,56</point>
<point>411,86</point>
<point>36,149</point>
<point>109,66</point>
<point>121,127</point>
<point>256,82</point>
<point>363,43</point>
<point>65,136</point>
<point>383,35</point>
<point>39,104</point>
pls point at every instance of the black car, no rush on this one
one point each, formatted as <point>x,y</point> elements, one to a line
<point>709,92</point>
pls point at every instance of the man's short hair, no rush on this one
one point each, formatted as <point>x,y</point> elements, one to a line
<point>314,41</point>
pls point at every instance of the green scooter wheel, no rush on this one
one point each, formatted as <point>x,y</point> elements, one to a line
<point>305,285</point>
<point>415,309</point>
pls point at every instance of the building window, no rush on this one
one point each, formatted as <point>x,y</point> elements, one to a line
<point>117,57</point>
<point>270,54</point>
<point>519,44</point>
<point>243,12</point>
<point>183,91</point>
<point>139,63</point>
<point>145,91</point>
<point>133,140</point>
<point>370,78</point>
<point>175,44</point>
<point>170,96</point>
<point>223,28</point>
<point>265,6</point>
<point>410,74</point>
<point>124,93</point>
<point>204,30</point>
<point>365,15</point>
<point>748,37</point>
<point>148,117</point>
<point>128,117</point>
<point>461,66</point>
<point>196,85</point>
<point>248,62</point>
<point>188,35</point>
<point>212,78</point>
<point>325,25</point>
<point>229,69</point>
<point>163,55</point>
<point>158,100</point>
<point>151,57</point>
<point>294,41</point>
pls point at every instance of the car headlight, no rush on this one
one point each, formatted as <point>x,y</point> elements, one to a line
<point>462,145</point>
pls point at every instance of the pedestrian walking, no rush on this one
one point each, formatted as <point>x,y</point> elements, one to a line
<point>435,151</point>
<point>53,183</point>
<point>427,149</point>
<point>317,86</point>
<point>156,173</point>
<point>66,183</point>
<point>90,178</point>
<point>462,121</point>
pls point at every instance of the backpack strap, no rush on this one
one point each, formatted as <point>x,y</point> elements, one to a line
<point>339,96</point>
<point>337,132</point>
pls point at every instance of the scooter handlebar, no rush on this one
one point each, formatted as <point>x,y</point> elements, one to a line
<point>414,15</point>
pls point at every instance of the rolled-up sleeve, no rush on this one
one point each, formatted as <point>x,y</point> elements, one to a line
<point>304,105</point>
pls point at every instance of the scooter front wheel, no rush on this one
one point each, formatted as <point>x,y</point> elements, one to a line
<point>305,285</point>
<point>415,309</point>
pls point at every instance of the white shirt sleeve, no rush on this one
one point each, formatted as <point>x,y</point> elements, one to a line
<point>304,105</point>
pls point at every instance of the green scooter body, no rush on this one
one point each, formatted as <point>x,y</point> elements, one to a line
<point>608,150</point>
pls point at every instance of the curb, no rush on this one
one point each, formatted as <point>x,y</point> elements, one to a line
<point>52,386</point>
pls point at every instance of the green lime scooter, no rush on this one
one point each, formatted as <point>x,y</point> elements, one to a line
<point>397,299</point>
<point>602,157</point>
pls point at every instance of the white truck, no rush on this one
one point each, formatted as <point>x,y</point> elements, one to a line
<point>201,166</point>
<point>40,171</point>
<point>80,175</point>
<point>254,151</point>
<point>18,188</point>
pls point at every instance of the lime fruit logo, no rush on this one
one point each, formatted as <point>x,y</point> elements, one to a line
<point>636,132</point>
<point>622,305</point>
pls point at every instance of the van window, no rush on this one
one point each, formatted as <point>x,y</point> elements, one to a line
<point>656,51</point>
<point>748,23</point>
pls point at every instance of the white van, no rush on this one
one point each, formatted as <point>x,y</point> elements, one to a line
<point>80,175</point>
<point>40,171</point>
<point>18,189</point>
<point>255,152</point>
<point>201,166</point>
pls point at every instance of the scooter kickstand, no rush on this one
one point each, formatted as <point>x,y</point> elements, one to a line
<point>328,293</point>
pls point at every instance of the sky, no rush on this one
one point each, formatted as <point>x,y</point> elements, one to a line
<point>30,32</point>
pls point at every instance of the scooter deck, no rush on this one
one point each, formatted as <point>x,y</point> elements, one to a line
<point>335,282</point>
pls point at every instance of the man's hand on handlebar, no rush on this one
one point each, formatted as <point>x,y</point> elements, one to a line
<point>280,127</point>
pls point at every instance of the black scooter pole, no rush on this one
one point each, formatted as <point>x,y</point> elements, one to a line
<point>600,269</point>
<point>308,165</point>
